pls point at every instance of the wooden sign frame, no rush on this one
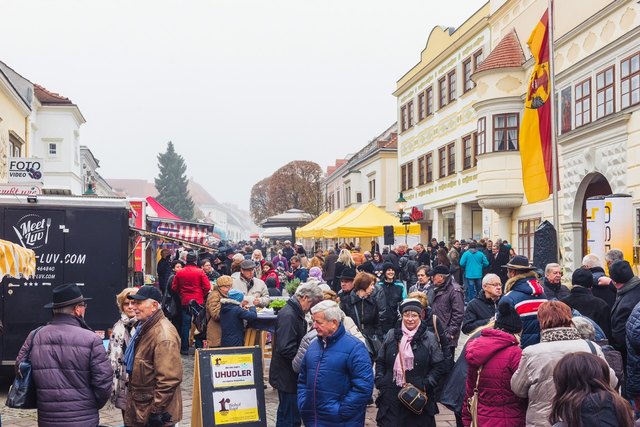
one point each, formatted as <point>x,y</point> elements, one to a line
<point>241,389</point>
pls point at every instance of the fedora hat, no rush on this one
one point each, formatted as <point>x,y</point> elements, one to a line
<point>65,295</point>
<point>519,262</point>
<point>348,274</point>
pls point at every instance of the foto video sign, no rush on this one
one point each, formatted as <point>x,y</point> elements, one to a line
<point>27,170</point>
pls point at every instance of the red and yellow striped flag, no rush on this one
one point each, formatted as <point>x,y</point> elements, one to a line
<point>535,131</point>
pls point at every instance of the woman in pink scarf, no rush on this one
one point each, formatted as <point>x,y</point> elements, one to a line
<point>416,349</point>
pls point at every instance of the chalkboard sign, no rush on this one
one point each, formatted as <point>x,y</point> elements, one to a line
<point>228,388</point>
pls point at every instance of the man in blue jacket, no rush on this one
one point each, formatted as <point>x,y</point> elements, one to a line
<point>336,377</point>
<point>473,261</point>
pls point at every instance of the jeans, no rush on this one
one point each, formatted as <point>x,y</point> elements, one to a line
<point>185,329</point>
<point>471,288</point>
<point>288,415</point>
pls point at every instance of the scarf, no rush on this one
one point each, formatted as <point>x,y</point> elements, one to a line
<point>404,351</point>
<point>559,334</point>
<point>130,351</point>
<point>118,342</point>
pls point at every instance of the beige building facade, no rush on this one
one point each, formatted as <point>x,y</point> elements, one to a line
<point>597,77</point>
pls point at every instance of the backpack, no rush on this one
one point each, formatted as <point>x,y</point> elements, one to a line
<point>202,319</point>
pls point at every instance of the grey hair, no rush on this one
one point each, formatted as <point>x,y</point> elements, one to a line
<point>64,310</point>
<point>330,309</point>
<point>613,255</point>
<point>490,277</point>
<point>550,266</point>
<point>585,328</point>
<point>309,290</point>
<point>591,260</point>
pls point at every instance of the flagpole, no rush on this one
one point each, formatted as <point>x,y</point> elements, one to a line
<point>554,139</point>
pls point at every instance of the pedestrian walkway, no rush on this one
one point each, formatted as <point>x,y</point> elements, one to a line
<point>113,417</point>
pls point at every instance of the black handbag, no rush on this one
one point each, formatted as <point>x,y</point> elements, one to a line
<point>411,396</point>
<point>22,393</point>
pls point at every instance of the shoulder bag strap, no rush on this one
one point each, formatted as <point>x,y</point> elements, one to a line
<point>355,309</point>
<point>435,328</point>
<point>475,389</point>
<point>591,347</point>
<point>26,358</point>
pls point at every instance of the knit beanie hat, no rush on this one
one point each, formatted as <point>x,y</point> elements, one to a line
<point>411,304</point>
<point>388,265</point>
<point>316,272</point>
<point>620,271</point>
<point>235,295</point>
<point>508,319</point>
<point>582,277</point>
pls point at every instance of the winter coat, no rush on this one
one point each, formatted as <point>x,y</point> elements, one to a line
<point>597,410</point>
<point>554,292</point>
<point>394,292</point>
<point>256,288</point>
<point>349,326</point>
<point>291,326</point>
<point>164,271</point>
<point>581,299</point>
<point>273,274</point>
<point>335,381</point>
<point>497,261</point>
<point>212,305</point>
<point>606,293</point>
<point>366,312</point>
<point>118,342</point>
<point>534,377</point>
<point>525,294</point>
<point>191,283</point>
<point>300,273</point>
<point>329,268</point>
<point>633,352</point>
<point>473,261</point>
<point>278,258</point>
<point>498,353</point>
<point>410,271</point>
<point>447,302</point>
<point>71,371</point>
<point>393,258</point>
<point>627,298</point>
<point>232,317</point>
<point>428,367</point>
<point>287,252</point>
<point>478,312</point>
<point>154,383</point>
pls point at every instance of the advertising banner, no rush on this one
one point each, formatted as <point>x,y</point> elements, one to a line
<point>618,224</point>
<point>25,170</point>
<point>595,226</point>
<point>138,216</point>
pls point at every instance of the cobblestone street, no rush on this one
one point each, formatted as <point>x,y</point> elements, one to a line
<point>113,417</point>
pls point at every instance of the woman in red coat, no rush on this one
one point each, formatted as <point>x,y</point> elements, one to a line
<point>497,350</point>
<point>269,271</point>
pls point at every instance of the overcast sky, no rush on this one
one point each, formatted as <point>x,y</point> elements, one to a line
<point>241,87</point>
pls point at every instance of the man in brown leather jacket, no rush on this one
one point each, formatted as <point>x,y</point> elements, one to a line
<point>154,365</point>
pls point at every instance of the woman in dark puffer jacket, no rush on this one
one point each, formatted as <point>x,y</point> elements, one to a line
<point>498,352</point>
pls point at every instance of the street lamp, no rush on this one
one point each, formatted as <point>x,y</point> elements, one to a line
<point>405,218</point>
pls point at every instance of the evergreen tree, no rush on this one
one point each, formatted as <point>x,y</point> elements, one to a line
<point>171,183</point>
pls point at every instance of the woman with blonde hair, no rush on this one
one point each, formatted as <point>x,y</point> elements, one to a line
<point>118,342</point>
<point>345,260</point>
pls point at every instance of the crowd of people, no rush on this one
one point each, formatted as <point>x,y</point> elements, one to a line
<point>539,352</point>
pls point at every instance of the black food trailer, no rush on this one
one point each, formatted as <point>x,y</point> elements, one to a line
<point>76,239</point>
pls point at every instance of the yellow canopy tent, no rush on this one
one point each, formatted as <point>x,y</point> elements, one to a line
<point>311,224</point>
<point>316,231</point>
<point>16,261</point>
<point>367,221</point>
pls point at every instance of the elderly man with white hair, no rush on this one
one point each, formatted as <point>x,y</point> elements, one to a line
<point>291,326</point>
<point>336,377</point>
<point>484,306</point>
<point>603,287</point>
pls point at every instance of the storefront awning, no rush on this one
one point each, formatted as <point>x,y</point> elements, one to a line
<point>16,261</point>
<point>153,235</point>
<point>193,232</point>
<point>367,221</point>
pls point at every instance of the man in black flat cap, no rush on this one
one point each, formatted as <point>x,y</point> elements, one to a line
<point>152,360</point>
<point>70,367</point>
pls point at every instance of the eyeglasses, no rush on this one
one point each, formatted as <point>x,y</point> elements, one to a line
<point>130,302</point>
<point>497,285</point>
